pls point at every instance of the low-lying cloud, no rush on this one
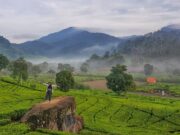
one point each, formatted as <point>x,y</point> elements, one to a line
<point>26,36</point>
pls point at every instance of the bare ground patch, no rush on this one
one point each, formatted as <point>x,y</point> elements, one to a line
<point>97,84</point>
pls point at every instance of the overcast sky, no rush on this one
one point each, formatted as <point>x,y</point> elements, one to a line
<point>22,20</point>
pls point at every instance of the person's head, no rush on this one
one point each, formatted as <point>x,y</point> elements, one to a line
<point>49,83</point>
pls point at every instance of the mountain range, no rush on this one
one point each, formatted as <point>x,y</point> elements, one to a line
<point>76,42</point>
<point>70,42</point>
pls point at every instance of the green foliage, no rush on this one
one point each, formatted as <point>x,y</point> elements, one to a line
<point>118,80</point>
<point>158,45</point>
<point>33,86</point>
<point>106,55</point>
<point>65,80</point>
<point>17,114</point>
<point>103,113</point>
<point>100,63</point>
<point>84,67</point>
<point>68,67</point>
<point>20,70</point>
<point>148,69</point>
<point>172,88</point>
<point>83,78</point>
<point>3,62</point>
<point>51,71</point>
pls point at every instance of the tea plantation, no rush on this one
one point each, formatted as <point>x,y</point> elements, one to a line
<point>104,113</point>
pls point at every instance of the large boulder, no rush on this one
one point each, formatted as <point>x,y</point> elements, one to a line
<point>58,114</point>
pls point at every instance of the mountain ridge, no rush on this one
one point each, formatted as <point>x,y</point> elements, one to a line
<point>68,42</point>
<point>76,42</point>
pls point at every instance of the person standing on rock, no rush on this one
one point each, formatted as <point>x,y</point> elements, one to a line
<point>49,92</point>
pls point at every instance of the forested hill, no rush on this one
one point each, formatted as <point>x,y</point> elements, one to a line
<point>164,43</point>
<point>7,48</point>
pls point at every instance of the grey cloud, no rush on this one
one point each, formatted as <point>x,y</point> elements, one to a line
<point>116,17</point>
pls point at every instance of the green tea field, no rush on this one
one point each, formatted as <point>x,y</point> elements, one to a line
<point>104,113</point>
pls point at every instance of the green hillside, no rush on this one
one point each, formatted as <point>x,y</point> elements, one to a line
<point>104,113</point>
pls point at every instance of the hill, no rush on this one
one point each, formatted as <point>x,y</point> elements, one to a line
<point>7,48</point>
<point>162,44</point>
<point>69,42</point>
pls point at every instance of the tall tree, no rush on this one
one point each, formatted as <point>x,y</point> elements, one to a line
<point>148,69</point>
<point>94,57</point>
<point>3,62</point>
<point>118,80</point>
<point>36,70</point>
<point>20,70</point>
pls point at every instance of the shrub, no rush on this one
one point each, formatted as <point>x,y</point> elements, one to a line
<point>20,70</point>
<point>118,80</point>
<point>64,80</point>
<point>17,114</point>
<point>3,62</point>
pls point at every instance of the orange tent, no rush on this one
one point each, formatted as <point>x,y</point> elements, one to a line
<point>151,80</point>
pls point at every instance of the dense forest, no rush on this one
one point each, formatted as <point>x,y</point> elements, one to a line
<point>163,44</point>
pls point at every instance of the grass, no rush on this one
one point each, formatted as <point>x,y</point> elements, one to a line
<point>174,88</point>
<point>44,78</point>
<point>103,112</point>
<point>164,82</point>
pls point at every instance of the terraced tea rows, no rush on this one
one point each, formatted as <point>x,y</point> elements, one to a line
<point>104,113</point>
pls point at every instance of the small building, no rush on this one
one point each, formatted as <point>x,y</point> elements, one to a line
<point>151,80</point>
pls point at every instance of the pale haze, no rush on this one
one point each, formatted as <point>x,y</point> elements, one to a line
<point>22,20</point>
